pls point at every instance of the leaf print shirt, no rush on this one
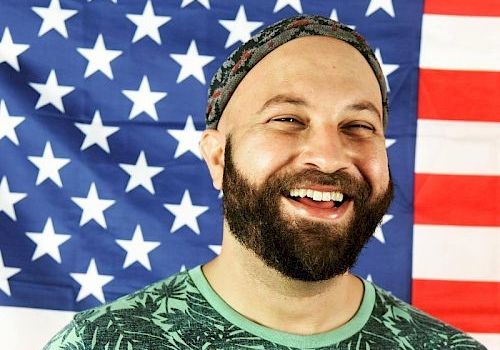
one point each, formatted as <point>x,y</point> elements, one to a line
<point>184,312</point>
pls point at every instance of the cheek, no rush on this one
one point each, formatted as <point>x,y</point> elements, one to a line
<point>376,171</point>
<point>260,157</point>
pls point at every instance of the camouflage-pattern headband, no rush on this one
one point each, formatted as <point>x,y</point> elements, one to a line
<point>244,58</point>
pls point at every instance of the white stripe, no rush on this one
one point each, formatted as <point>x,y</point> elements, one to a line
<point>490,340</point>
<point>460,43</point>
<point>457,147</point>
<point>26,329</point>
<point>456,253</point>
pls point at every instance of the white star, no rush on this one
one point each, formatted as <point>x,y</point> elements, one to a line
<point>8,123</point>
<point>297,6</point>
<point>240,29</point>
<point>51,92</point>
<point>205,3</point>
<point>335,17</point>
<point>141,174</point>
<point>185,213</point>
<point>91,282</point>
<point>216,248</point>
<point>54,17</point>
<point>5,274</point>
<point>48,166</point>
<point>385,5</point>
<point>48,242</point>
<point>369,278</point>
<point>99,58</point>
<point>188,139</point>
<point>192,63</point>
<point>144,99</point>
<point>148,23</point>
<point>93,207</point>
<point>386,68</point>
<point>137,249</point>
<point>389,142</point>
<point>96,133</point>
<point>8,199</point>
<point>379,234</point>
<point>9,50</point>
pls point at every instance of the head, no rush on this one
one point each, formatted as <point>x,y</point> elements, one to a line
<point>307,119</point>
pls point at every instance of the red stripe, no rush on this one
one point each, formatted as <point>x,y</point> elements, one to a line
<point>463,7</point>
<point>457,199</point>
<point>459,95</point>
<point>469,306</point>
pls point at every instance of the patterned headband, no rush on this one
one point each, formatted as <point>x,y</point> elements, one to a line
<point>244,58</point>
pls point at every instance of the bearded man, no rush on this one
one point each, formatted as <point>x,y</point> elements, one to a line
<point>295,139</point>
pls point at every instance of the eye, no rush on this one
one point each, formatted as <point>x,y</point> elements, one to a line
<point>361,126</point>
<point>287,119</point>
<point>360,129</point>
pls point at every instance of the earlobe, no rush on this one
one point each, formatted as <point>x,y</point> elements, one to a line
<point>212,146</point>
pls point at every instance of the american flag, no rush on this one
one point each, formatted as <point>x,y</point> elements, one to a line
<point>103,189</point>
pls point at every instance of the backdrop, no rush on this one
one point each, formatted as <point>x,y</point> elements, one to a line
<point>103,190</point>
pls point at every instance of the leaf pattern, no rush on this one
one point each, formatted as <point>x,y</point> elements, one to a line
<point>173,315</point>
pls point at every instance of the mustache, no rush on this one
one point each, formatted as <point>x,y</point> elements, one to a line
<point>341,179</point>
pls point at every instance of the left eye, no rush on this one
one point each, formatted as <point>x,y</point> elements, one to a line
<point>286,119</point>
<point>362,126</point>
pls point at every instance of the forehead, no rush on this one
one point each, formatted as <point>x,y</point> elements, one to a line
<point>318,68</point>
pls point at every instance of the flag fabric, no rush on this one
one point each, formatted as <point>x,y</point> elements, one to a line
<point>103,189</point>
<point>456,236</point>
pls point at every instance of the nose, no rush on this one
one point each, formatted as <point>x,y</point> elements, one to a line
<point>324,149</point>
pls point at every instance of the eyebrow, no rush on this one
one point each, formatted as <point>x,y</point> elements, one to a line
<point>363,106</point>
<point>280,99</point>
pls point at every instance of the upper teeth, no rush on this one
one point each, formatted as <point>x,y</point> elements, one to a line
<point>317,195</point>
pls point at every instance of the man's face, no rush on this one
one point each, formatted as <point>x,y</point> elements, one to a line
<point>306,122</point>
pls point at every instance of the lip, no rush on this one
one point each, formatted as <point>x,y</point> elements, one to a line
<point>319,188</point>
<point>330,214</point>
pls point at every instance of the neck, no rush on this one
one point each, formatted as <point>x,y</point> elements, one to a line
<point>265,296</point>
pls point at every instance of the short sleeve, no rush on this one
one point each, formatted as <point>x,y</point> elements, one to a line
<point>68,338</point>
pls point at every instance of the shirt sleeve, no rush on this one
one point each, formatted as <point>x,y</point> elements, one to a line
<point>68,338</point>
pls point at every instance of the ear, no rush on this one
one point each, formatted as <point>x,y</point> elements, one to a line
<point>212,145</point>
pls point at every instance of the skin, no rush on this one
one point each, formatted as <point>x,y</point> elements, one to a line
<point>313,103</point>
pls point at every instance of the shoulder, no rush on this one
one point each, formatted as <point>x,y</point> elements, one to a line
<point>145,313</point>
<point>409,325</point>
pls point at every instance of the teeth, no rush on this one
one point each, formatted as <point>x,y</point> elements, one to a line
<point>317,195</point>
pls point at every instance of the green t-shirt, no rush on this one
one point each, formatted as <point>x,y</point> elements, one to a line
<point>184,312</point>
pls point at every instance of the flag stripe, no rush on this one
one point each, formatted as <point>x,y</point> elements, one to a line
<point>457,200</point>
<point>463,7</point>
<point>459,95</point>
<point>470,306</point>
<point>440,48</point>
<point>456,275</point>
<point>443,146</point>
<point>40,324</point>
<point>446,252</point>
<point>490,340</point>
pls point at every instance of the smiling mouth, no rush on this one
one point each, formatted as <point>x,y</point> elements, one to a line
<point>318,199</point>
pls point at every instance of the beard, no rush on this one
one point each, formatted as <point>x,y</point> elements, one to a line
<point>299,248</point>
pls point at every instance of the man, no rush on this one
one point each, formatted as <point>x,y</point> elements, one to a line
<point>295,139</point>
